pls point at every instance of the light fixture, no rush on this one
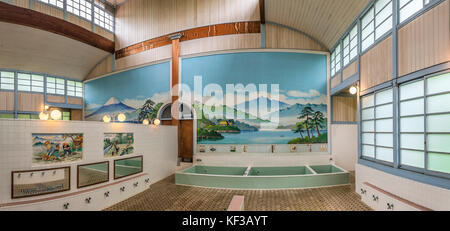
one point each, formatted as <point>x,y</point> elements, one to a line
<point>145,122</point>
<point>46,107</point>
<point>121,117</point>
<point>106,118</point>
<point>56,114</point>
<point>156,122</point>
<point>353,90</point>
<point>43,115</point>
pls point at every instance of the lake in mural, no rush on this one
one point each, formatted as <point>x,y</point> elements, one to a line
<point>291,87</point>
<point>137,93</point>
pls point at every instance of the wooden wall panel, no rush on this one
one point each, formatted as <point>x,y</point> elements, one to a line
<point>336,80</point>
<point>22,3</point>
<point>50,10</point>
<point>344,109</point>
<point>140,20</point>
<point>145,57</point>
<point>104,67</point>
<point>55,99</point>
<point>280,37</point>
<point>79,21</point>
<point>30,102</point>
<point>350,70</point>
<point>219,43</point>
<point>74,100</point>
<point>76,114</point>
<point>6,101</point>
<point>425,42</point>
<point>376,65</point>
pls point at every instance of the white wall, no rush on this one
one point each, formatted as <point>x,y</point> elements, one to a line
<point>344,145</point>
<point>158,145</point>
<point>428,196</point>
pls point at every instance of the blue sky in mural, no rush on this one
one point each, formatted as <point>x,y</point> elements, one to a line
<point>127,91</point>
<point>302,80</point>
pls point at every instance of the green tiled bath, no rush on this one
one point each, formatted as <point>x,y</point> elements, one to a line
<point>263,177</point>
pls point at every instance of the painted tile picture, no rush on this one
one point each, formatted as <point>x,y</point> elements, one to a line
<point>258,97</point>
<point>118,144</point>
<point>128,93</point>
<point>56,148</point>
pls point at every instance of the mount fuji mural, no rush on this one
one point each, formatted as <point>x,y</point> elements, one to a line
<point>138,93</point>
<point>294,112</point>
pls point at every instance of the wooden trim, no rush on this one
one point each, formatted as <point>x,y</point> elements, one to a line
<point>142,166</point>
<point>26,17</point>
<point>262,13</point>
<point>78,174</point>
<point>191,34</point>
<point>410,203</point>
<point>37,170</point>
<point>69,194</point>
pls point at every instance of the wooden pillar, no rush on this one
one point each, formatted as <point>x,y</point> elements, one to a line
<point>175,81</point>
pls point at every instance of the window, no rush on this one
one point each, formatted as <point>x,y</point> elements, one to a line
<point>55,86</point>
<point>6,116</point>
<point>377,126</point>
<point>6,80</point>
<point>65,115</point>
<point>28,116</point>
<point>74,88</point>
<point>425,124</point>
<point>376,22</point>
<point>350,44</point>
<point>409,7</point>
<point>23,82</point>
<point>336,60</point>
<point>102,17</point>
<point>82,8</point>
<point>57,3</point>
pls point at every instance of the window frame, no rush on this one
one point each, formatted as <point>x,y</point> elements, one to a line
<point>90,19</point>
<point>47,2</point>
<point>9,78</point>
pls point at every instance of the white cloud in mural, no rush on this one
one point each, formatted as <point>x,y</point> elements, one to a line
<point>300,94</point>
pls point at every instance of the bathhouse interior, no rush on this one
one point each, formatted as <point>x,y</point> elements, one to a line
<point>213,105</point>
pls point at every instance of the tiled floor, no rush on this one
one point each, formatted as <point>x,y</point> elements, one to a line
<point>166,196</point>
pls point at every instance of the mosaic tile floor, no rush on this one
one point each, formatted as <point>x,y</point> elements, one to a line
<point>166,196</point>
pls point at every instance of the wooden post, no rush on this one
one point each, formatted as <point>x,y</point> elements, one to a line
<point>175,81</point>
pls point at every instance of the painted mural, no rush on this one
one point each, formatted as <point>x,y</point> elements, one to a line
<point>137,93</point>
<point>118,144</point>
<point>56,148</point>
<point>291,88</point>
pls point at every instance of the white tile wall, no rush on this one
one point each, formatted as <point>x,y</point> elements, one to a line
<point>344,145</point>
<point>158,145</point>
<point>428,196</point>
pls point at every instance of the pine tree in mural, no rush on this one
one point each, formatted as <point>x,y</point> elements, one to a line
<point>318,119</point>
<point>147,110</point>
<point>300,128</point>
<point>306,114</point>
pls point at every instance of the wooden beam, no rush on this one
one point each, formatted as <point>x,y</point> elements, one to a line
<point>262,11</point>
<point>191,34</point>
<point>26,17</point>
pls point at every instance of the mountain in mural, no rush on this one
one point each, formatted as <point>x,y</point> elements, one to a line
<point>112,107</point>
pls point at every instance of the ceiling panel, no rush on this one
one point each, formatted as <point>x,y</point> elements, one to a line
<point>325,20</point>
<point>26,48</point>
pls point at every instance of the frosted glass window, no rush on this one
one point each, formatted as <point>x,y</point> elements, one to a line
<point>438,103</point>
<point>438,84</point>
<point>24,82</point>
<point>368,114</point>
<point>386,140</point>
<point>37,83</point>
<point>408,8</point>
<point>412,158</point>
<point>368,151</point>
<point>438,123</point>
<point>354,42</point>
<point>412,141</point>
<point>55,86</point>
<point>412,107</point>
<point>103,18</point>
<point>385,154</point>
<point>384,111</point>
<point>368,42</point>
<point>74,88</point>
<point>368,126</point>
<point>383,28</point>
<point>57,3</point>
<point>412,90</point>
<point>385,125</point>
<point>368,138</point>
<point>439,162</point>
<point>438,143</point>
<point>6,80</point>
<point>81,8</point>
<point>384,97</point>
<point>367,101</point>
<point>412,124</point>
<point>383,19</point>
<point>368,29</point>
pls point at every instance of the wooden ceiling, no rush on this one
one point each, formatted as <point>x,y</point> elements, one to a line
<point>116,2</point>
<point>324,20</point>
<point>26,48</point>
